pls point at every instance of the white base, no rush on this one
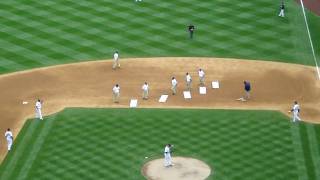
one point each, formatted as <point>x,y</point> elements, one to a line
<point>187,94</point>
<point>133,103</point>
<point>163,98</point>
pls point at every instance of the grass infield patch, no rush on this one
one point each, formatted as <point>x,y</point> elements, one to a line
<point>112,143</point>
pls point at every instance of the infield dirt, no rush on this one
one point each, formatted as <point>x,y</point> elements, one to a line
<point>274,87</point>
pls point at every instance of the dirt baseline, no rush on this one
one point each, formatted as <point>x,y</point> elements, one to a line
<point>89,84</point>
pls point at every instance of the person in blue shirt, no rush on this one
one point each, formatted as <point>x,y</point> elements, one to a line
<point>247,89</point>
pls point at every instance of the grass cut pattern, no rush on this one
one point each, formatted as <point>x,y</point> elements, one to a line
<point>112,143</point>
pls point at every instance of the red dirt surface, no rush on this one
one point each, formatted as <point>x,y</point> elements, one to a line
<point>312,5</point>
<point>274,87</point>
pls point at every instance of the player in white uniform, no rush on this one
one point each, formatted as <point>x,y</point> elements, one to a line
<point>9,136</point>
<point>281,14</point>
<point>295,112</point>
<point>201,76</point>
<point>145,91</point>
<point>167,155</point>
<point>174,84</point>
<point>38,109</point>
<point>116,93</point>
<point>116,63</point>
<point>188,81</point>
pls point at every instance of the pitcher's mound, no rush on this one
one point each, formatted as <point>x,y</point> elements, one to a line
<point>182,169</point>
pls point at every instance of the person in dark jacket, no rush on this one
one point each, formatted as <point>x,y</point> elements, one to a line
<point>191,29</point>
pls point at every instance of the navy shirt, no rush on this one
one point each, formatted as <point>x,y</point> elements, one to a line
<point>247,86</point>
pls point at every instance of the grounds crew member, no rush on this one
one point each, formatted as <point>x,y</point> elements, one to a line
<point>201,76</point>
<point>281,14</point>
<point>9,136</point>
<point>295,112</point>
<point>188,81</point>
<point>145,91</point>
<point>116,93</point>
<point>116,63</point>
<point>38,109</point>
<point>167,155</point>
<point>191,29</point>
<point>174,84</point>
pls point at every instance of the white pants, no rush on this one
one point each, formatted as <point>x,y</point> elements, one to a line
<point>116,97</point>
<point>188,83</point>
<point>38,114</point>
<point>167,159</point>
<point>174,89</point>
<point>116,64</point>
<point>201,79</point>
<point>145,94</point>
<point>295,117</point>
<point>281,14</point>
<point>9,140</point>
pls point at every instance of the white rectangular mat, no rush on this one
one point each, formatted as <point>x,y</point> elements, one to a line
<point>163,98</point>
<point>202,90</point>
<point>133,103</point>
<point>187,94</point>
<point>215,85</point>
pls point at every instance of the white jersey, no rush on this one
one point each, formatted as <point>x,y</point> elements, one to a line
<point>38,105</point>
<point>296,108</point>
<point>8,135</point>
<point>201,74</point>
<point>115,56</point>
<point>167,149</point>
<point>174,82</point>
<point>188,78</point>
<point>145,87</point>
<point>116,89</point>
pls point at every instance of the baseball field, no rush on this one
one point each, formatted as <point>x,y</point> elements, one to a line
<point>61,52</point>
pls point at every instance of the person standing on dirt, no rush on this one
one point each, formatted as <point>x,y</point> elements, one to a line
<point>188,81</point>
<point>174,84</point>
<point>191,29</point>
<point>167,155</point>
<point>9,136</point>
<point>295,112</point>
<point>116,63</point>
<point>116,93</point>
<point>281,14</point>
<point>38,109</point>
<point>247,89</point>
<point>201,77</point>
<point>145,91</point>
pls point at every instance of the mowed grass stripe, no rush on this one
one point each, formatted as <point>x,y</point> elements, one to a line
<point>21,147</point>
<point>309,161</point>
<point>112,143</point>
<point>42,131</point>
<point>314,149</point>
<point>299,153</point>
<point>68,31</point>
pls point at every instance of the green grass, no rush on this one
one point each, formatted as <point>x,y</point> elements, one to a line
<point>112,143</point>
<point>43,33</point>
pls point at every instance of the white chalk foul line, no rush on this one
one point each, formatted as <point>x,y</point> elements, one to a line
<point>313,53</point>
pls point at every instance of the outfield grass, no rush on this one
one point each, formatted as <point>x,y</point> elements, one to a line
<point>112,143</point>
<point>42,33</point>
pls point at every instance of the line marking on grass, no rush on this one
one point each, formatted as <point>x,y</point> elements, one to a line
<point>313,53</point>
<point>298,151</point>
<point>314,149</point>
